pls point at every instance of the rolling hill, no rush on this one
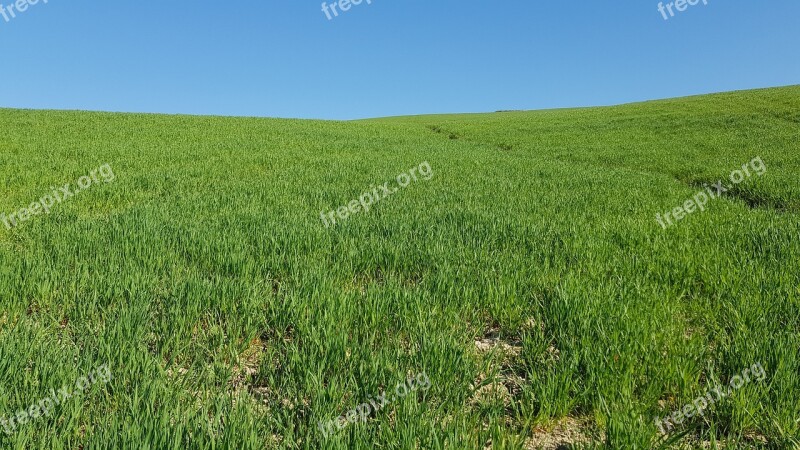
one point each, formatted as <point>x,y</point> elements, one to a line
<point>551,274</point>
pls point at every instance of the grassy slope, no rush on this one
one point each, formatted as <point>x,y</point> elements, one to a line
<point>228,314</point>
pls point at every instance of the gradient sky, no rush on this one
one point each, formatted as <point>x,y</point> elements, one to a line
<point>284,58</point>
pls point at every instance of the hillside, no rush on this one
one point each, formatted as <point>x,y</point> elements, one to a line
<point>556,277</point>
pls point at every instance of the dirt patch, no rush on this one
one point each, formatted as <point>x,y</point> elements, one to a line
<point>491,392</point>
<point>247,364</point>
<point>487,345</point>
<point>491,342</point>
<point>750,441</point>
<point>566,433</point>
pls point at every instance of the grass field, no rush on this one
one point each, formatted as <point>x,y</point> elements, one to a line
<point>527,279</point>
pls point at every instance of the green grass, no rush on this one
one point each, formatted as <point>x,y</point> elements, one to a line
<point>230,317</point>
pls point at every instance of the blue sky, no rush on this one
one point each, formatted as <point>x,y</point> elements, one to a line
<point>284,58</point>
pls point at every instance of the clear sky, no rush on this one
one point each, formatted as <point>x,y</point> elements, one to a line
<point>284,58</point>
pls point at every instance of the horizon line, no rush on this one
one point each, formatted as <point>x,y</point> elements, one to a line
<point>99,111</point>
